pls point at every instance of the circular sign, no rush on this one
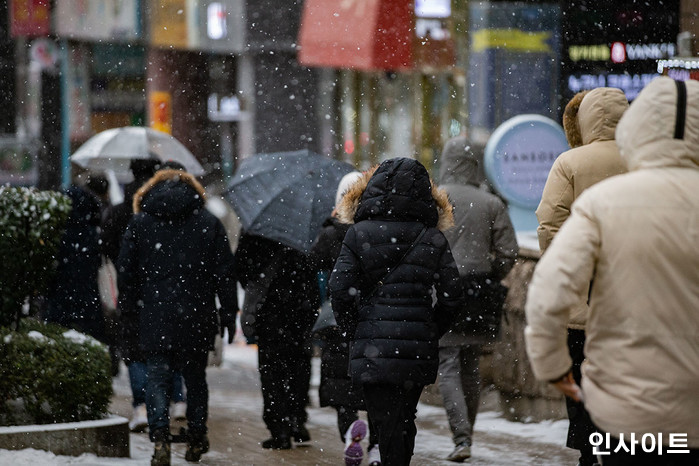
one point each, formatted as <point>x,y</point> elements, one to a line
<point>519,156</point>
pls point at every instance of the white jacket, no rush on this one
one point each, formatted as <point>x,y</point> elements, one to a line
<point>637,236</point>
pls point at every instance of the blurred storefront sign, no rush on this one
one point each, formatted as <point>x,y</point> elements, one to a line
<point>213,26</point>
<point>160,111</point>
<point>518,158</point>
<point>514,50</point>
<point>44,52</point>
<point>680,69</point>
<point>370,35</point>
<point>112,20</point>
<point>357,34</point>
<point>619,45</point>
<point>77,92</point>
<point>30,18</point>
<point>224,107</point>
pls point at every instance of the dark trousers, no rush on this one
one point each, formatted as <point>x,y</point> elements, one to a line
<point>392,410</point>
<point>285,372</point>
<point>159,389</point>
<point>581,425</point>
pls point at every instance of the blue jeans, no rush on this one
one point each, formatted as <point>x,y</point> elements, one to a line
<point>159,387</point>
<point>138,378</point>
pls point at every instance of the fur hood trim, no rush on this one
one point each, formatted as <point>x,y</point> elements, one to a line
<point>350,201</point>
<point>165,175</point>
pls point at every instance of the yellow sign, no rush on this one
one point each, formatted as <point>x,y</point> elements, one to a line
<point>160,111</point>
<point>511,39</point>
<point>169,23</point>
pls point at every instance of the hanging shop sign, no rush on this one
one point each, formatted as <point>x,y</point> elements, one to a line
<point>95,20</point>
<point>30,18</point>
<point>221,26</point>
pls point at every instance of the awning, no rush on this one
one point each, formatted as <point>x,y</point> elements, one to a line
<point>357,34</point>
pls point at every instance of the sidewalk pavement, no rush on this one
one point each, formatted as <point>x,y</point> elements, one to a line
<point>236,428</point>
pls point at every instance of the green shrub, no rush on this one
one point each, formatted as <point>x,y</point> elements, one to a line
<point>52,374</point>
<point>31,226</point>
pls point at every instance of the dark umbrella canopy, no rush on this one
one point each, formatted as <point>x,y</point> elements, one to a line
<point>286,196</point>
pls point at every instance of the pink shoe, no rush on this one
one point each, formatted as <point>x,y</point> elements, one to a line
<point>353,450</point>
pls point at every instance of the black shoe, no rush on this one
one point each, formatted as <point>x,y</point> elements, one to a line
<point>196,446</point>
<point>301,437</point>
<point>161,454</point>
<point>277,443</point>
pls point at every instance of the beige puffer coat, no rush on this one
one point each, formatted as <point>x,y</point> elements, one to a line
<point>637,236</point>
<point>581,167</point>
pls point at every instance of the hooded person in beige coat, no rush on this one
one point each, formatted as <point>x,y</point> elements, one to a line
<point>636,235</point>
<point>589,121</point>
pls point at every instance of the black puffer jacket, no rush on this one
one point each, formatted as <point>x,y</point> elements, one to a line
<point>395,332</point>
<point>174,260</point>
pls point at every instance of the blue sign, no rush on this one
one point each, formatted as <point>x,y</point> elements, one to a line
<point>517,161</point>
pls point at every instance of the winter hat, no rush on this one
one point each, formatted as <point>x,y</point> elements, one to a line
<point>345,183</point>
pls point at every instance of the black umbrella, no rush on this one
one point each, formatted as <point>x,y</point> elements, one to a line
<point>286,196</point>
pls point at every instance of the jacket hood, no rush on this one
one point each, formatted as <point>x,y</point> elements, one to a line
<point>660,130</point>
<point>459,164</point>
<point>399,189</point>
<point>571,126</point>
<point>169,194</point>
<point>600,112</point>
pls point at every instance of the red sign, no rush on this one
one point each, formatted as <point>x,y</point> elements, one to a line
<point>30,18</point>
<point>357,34</point>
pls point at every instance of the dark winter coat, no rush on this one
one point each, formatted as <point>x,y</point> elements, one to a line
<point>174,260</point>
<point>73,297</point>
<point>287,308</point>
<point>116,219</point>
<point>395,332</point>
<point>336,387</point>
<point>483,242</point>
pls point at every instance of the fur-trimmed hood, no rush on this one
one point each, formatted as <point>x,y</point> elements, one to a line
<point>398,189</point>
<point>169,193</point>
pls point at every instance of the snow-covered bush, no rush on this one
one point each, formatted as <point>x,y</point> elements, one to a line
<point>51,374</point>
<point>31,226</point>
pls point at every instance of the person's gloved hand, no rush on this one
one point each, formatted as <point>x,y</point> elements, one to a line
<point>227,320</point>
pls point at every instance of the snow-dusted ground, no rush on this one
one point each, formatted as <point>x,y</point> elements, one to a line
<point>488,425</point>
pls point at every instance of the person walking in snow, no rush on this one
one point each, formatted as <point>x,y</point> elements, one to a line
<point>484,247</point>
<point>635,237</point>
<point>174,261</point>
<point>395,289</point>
<point>336,388</point>
<point>589,121</point>
<point>281,298</point>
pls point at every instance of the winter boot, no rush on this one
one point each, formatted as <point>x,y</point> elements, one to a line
<point>301,436</point>
<point>197,445</point>
<point>179,411</point>
<point>161,454</point>
<point>278,441</point>
<point>353,450</point>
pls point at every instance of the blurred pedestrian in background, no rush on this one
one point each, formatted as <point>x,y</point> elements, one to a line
<point>114,222</point>
<point>395,289</point>
<point>281,299</point>
<point>635,237</point>
<point>484,247</point>
<point>336,388</point>
<point>589,121</point>
<point>174,261</point>
<point>73,299</point>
